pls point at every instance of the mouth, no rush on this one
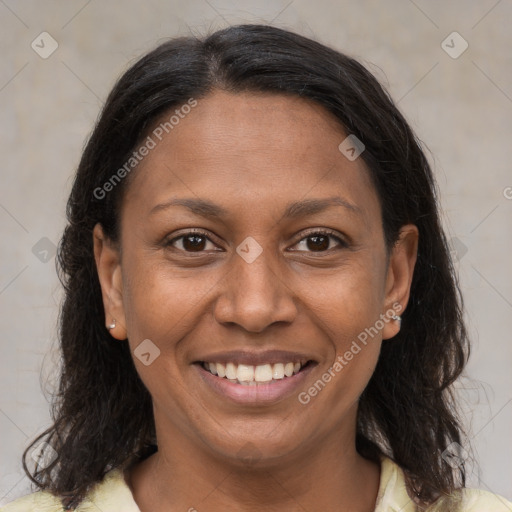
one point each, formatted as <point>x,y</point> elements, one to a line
<point>250,375</point>
<point>255,379</point>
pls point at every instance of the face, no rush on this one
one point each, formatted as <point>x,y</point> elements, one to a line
<point>250,245</point>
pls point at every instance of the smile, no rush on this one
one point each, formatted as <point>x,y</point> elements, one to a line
<point>250,375</point>
<point>254,379</point>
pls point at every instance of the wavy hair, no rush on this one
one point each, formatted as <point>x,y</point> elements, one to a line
<point>102,413</point>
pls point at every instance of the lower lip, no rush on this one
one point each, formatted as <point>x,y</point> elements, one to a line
<point>262,392</point>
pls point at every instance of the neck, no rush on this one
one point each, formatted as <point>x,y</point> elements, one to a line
<point>327,475</point>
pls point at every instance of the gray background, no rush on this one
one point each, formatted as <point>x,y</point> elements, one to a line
<point>460,107</point>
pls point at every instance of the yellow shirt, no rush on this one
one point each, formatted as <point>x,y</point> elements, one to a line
<point>114,495</point>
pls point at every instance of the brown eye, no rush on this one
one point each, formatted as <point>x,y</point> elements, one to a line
<point>320,241</point>
<point>191,242</point>
<point>194,242</point>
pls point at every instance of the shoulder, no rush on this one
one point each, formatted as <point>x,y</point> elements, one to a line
<point>393,496</point>
<point>41,501</point>
<point>473,500</point>
<point>112,494</point>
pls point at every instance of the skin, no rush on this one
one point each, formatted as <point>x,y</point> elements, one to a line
<point>253,154</point>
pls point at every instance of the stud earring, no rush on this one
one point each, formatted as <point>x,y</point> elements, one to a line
<point>112,325</point>
<point>398,319</point>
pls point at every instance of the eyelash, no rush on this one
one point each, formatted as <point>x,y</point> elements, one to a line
<point>322,232</point>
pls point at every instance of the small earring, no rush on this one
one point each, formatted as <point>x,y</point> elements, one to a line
<point>112,325</point>
<point>398,319</point>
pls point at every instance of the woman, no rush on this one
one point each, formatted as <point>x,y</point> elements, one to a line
<point>261,312</point>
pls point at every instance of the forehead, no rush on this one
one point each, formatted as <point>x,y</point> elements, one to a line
<point>249,149</point>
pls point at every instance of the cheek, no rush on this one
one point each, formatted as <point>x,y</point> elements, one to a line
<point>159,307</point>
<point>347,308</point>
<point>159,302</point>
<point>348,300</point>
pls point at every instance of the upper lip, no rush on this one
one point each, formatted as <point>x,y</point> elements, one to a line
<point>256,358</point>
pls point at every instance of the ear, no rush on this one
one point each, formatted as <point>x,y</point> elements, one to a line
<point>399,277</point>
<point>108,266</point>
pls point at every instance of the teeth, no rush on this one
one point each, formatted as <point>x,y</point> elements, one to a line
<point>249,375</point>
<point>278,371</point>
<point>288,369</point>
<point>221,369</point>
<point>263,373</point>
<point>245,373</point>
<point>230,371</point>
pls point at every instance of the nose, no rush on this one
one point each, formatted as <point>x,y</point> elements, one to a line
<point>254,296</point>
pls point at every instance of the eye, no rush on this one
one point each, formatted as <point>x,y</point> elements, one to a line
<point>192,241</point>
<point>315,241</point>
<point>320,241</point>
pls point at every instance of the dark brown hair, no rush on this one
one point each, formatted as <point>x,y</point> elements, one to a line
<point>102,413</point>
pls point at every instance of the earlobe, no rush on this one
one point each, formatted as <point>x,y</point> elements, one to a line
<point>108,266</point>
<point>399,278</point>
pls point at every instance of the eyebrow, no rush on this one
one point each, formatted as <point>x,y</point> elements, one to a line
<point>205,208</point>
